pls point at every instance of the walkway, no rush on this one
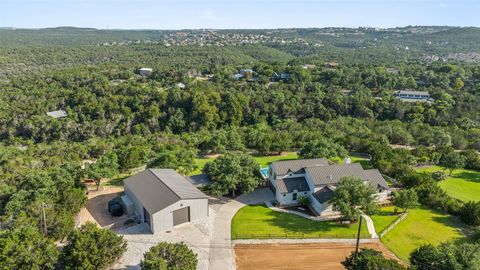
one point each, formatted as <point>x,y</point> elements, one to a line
<point>221,247</point>
<point>370,226</point>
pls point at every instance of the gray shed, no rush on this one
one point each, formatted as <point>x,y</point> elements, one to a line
<point>163,198</point>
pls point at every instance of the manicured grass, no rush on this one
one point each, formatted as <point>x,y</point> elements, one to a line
<point>263,222</point>
<point>266,160</point>
<point>262,160</point>
<point>366,163</point>
<point>200,164</point>
<point>462,184</point>
<point>384,218</point>
<point>421,226</point>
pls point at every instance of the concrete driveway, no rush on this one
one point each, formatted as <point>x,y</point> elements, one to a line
<point>221,248</point>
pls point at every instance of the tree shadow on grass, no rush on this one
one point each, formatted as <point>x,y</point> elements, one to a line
<point>468,176</point>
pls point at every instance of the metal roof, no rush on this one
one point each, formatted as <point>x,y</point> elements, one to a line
<point>159,188</point>
<point>57,114</point>
<point>412,92</point>
<point>331,175</point>
<point>296,166</point>
<point>288,185</point>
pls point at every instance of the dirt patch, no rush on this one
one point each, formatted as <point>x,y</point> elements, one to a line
<point>97,211</point>
<point>321,256</point>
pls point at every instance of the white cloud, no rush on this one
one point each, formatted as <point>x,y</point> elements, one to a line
<point>443,5</point>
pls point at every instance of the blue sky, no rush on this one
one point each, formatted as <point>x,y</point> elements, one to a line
<point>182,14</point>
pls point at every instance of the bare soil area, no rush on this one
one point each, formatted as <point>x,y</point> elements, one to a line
<point>97,211</point>
<point>320,256</point>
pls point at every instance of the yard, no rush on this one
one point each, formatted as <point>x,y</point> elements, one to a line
<point>421,226</point>
<point>262,160</point>
<point>258,221</point>
<point>384,218</point>
<point>462,184</point>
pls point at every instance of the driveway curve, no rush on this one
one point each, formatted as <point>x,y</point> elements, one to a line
<point>221,247</point>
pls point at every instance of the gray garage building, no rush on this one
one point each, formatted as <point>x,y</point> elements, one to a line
<point>163,198</point>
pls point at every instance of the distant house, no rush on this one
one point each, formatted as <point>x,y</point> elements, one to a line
<point>285,76</point>
<point>145,71</point>
<point>245,71</point>
<point>309,66</point>
<point>331,64</point>
<point>162,199</point>
<point>413,96</point>
<point>317,180</point>
<point>237,76</point>
<point>57,114</point>
<point>181,85</point>
<point>346,92</point>
<point>392,70</point>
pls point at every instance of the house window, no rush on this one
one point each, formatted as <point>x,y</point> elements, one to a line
<point>294,196</point>
<point>305,192</point>
<point>284,195</point>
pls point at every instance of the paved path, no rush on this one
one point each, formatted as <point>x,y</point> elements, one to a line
<point>370,226</point>
<point>221,247</point>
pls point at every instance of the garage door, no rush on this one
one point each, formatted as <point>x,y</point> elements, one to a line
<point>181,216</point>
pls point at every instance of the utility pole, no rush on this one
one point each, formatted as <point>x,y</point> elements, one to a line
<point>44,220</point>
<point>358,239</point>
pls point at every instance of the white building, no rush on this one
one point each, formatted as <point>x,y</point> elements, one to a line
<point>317,179</point>
<point>145,71</point>
<point>57,114</point>
<point>163,198</point>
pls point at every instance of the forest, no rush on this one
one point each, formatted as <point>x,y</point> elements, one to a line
<point>123,120</point>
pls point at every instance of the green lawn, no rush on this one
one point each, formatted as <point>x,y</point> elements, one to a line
<point>261,221</point>
<point>384,218</point>
<point>262,160</point>
<point>366,163</point>
<point>266,160</point>
<point>462,184</point>
<point>421,226</point>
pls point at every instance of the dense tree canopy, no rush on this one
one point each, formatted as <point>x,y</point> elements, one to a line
<point>169,256</point>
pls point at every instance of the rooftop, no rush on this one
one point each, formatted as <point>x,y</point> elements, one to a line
<point>57,114</point>
<point>159,188</point>
<point>296,166</point>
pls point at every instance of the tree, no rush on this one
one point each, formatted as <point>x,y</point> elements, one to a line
<point>91,247</point>
<point>405,199</point>
<point>232,172</point>
<point>370,259</point>
<point>169,256</point>
<point>174,157</point>
<point>453,160</point>
<point>105,167</point>
<point>446,256</point>
<point>132,157</point>
<point>470,213</point>
<point>351,195</point>
<point>439,176</point>
<point>322,148</point>
<point>24,247</point>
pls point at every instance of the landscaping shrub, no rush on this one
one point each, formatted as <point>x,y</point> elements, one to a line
<point>470,213</point>
<point>370,259</point>
<point>169,256</point>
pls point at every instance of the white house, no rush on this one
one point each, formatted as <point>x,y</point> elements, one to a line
<point>317,179</point>
<point>162,199</point>
<point>413,96</point>
<point>57,114</point>
<point>145,71</point>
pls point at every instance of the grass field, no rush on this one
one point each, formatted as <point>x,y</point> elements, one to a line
<point>421,226</point>
<point>260,220</point>
<point>462,184</point>
<point>262,160</point>
<point>384,218</point>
